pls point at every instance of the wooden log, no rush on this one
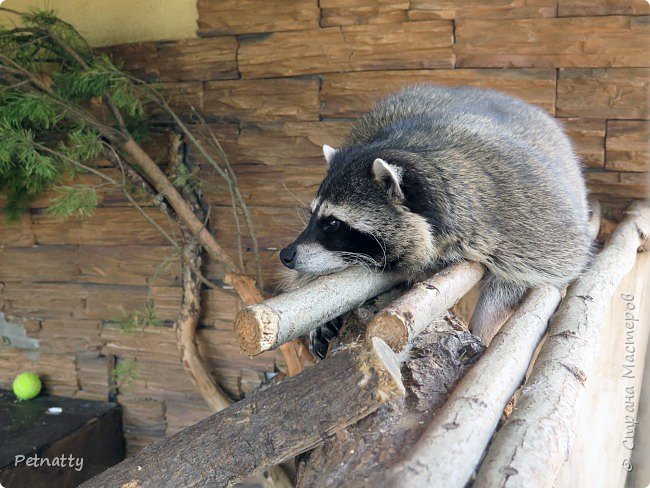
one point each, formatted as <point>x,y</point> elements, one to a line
<point>363,454</point>
<point>185,328</point>
<point>614,93</point>
<point>552,42</point>
<point>464,426</point>
<point>535,440</point>
<point>353,94</point>
<point>627,145</point>
<point>576,8</point>
<point>466,423</point>
<point>612,453</point>
<point>269,426</point>
<point>267,325</point>
<point>409,45</point>
<point>410,314</point>
<point>588,139</point>
<point>476,9</point>
<point>252,16</point>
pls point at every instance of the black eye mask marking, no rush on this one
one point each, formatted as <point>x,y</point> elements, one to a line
<point>331,225</point>
<point>336,235</point>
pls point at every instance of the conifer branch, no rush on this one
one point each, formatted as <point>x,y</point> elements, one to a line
<point>48,119</point>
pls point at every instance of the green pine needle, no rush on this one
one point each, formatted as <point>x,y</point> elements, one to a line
<point>78,201</point>
<point>140,319</point>
<point>125,373</point>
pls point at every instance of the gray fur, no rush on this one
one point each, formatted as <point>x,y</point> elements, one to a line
<point>483,176</point>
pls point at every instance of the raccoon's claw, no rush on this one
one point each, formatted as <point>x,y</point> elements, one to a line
<point>320,338</point>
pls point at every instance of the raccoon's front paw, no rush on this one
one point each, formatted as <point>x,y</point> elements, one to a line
<point>320,338</point>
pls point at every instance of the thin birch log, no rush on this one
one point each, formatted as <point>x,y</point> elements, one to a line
<point>269,426</point>
<point>280,319</point>
<point>536,439</point>
<point>409,314</point>
<point>463,427</point>
<point>595,212</point>
<point>363,454</point>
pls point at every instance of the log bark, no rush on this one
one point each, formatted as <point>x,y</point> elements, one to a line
<point>268,427</point>
<point>280,319</point>
<point>363,454</point>
<point>461,430</point>
<point>185,214</point>
<point>407,316</point>
<point>536,439</point>
<point>243,285</point>
<point>188,320</point>
<point>464,426</point>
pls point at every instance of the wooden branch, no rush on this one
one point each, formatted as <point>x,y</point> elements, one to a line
<point>185,327</point>
<point>166,189</point>
<point>365,453</point>
<point>243,285</point>
<point>462,429</point>
<point>536,439</point>
<point>280,319</point>
<point>188,319</point>
<point>448,452</point>
<point>407,316</point>
<point>269,426</point>
<point>595,213</point>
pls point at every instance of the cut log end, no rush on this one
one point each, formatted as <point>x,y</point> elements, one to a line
<point>256,328</point>
<point>380,358</point>
<point>391,328</point>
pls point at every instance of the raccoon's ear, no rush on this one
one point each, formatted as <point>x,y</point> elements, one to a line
<point>389,177</point>
<point>329,153</point>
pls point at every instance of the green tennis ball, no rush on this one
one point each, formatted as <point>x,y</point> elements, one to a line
<point>27,385</point>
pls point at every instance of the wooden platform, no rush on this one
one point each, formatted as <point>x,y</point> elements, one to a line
<point>80,442</point>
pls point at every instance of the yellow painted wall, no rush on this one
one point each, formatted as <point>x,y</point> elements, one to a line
<point>107,22</point>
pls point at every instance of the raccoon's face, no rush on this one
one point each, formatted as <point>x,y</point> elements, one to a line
<point>359,218</point>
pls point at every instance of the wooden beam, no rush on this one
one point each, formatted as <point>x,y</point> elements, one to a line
<point>534,442</point>
<point>269,426</point>
<point>449,450</point>
<point>409,314</point>
<point>464,426</point>
<point>365,453</point>
<point>269,324</point>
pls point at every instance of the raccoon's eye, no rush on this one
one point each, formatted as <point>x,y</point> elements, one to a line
<point>331,225</point>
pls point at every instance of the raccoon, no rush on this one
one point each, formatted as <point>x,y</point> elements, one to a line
<point>434,175</point>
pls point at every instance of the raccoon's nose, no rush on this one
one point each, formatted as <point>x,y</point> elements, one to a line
<point>287,256</point>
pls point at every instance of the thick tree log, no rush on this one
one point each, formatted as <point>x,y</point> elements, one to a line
<point>268,427</point>
<point>363,454</point>
<point>536,439</point>
<point>280,319</point>
<point>448,452</point>
<point>407,316</point>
